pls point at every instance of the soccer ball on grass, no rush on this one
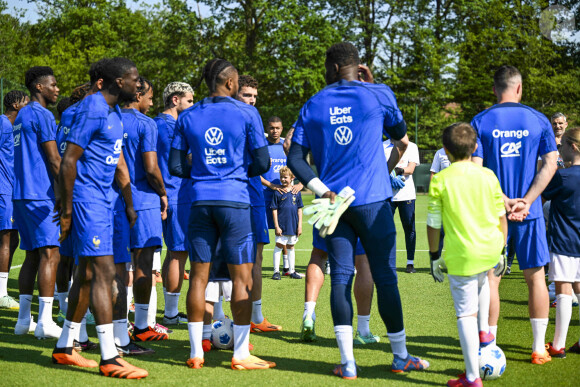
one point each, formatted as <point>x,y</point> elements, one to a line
<point>222,334</point>
<point>492,362</point>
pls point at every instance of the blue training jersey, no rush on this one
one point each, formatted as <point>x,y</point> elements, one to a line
<point>277,161</point>
<point>33,126</point>
<point>287,205</point>
<point>97,128</point>
<point>220,133</point>
<point>510,137</point>
<point>140,136</point>
<point>63,129</point>
<point>179,190</point>
<point>6,157</point>
<point>343,126</point>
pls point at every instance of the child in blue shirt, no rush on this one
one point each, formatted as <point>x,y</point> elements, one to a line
<point>287,215</point>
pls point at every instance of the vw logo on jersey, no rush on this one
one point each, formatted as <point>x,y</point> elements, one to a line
<point>511,149</point>
<point>214,136</point>
<point>343,135</point>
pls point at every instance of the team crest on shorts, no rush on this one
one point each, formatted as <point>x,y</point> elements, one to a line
<point>96,241</point>
<point>12,219</point>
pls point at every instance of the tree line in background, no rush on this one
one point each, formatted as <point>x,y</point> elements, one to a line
<point>438,56</point>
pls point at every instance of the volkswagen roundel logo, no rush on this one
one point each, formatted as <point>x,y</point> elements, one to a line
<point>343,135</point>
<point>214,136</point>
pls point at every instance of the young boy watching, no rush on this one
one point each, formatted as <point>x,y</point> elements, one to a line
<point>467,199</point>
<point>287,214</point>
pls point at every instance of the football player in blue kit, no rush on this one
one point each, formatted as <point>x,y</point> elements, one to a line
<point>226,140</point>
<point>339,124</point>
<point>36,166</point>
<point>150,202</point>
<point>13,102</point>
<point>177,97</point>
<point>510,138</point>
<point>92,159</point>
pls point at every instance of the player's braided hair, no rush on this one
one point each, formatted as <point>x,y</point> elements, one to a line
<point>79,93</point>
<point>343,54</point>
<point>247,81</point>
<point>62,105</point>
<point>13,97</point>
<point>34,75</point>
<point>215,73</point>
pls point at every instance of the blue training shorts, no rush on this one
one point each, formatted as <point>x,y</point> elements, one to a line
<point>7,213</point>
<point>529,241</point>
<point>373,224</point>
<point>66,247</point>
<point>34,220</point>
<point>121,234</point>
<point>147,231</point>
<point>92,230</point>
<point>260,224</point>
<point>319,243</point>
<point>231,226</point>
<point>175,226</point>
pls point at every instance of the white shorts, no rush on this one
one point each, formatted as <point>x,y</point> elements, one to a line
<point>213,290</point>
<point>287,239</point>
<point>564,268</point>
<point>130,266</point>
<point>465,292</point>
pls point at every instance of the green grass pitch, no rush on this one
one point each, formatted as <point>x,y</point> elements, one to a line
<point>429,322</point>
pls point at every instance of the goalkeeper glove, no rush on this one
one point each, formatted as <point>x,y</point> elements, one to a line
<point>399,171</point>
<point>501,266</point>
<point>437,266</point>
<point>325,215</point>
<point>397,182</point>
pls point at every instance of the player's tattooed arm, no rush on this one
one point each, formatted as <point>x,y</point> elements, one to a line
<point>399,147</point>
<point>288,140</point>
<point>66,178</point>
<point>155,179</point>
<point>123,180</point>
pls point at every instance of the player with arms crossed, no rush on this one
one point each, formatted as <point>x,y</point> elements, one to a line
<point>510,136</point>
<point>338,125</point>
<point>223,135</point>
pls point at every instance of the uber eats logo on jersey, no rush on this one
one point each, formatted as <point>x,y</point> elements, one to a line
<point>214,136</point>
<point>341,115</point>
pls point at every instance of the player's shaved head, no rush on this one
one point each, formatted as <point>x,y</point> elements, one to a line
<point>216,72</point>
<point>274,119</point>
<point>505,78</point>
<point>342,54</point>
<point>459,140</point>
<point>36,75</point>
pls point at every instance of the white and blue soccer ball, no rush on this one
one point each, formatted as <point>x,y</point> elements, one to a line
<point>222,334</point>
<point>492,362</point>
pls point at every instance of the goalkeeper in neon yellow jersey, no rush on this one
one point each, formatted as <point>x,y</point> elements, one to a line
<point>468,200</point>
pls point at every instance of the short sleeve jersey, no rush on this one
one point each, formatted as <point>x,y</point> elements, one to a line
<point>6,157</point>
<point>63,129</point>
<point>140,137</point>
<point>220,133</point>
<point>178,189</point>
<point>470,201</point>
<point>33,126</point>
<point>97,128</point>
<point>564,218</point>
<point>440,161</point>
<point>343,126</point>
<point>411,155</point>
<point>277,160</point>
<point>287,205</point>
<point>510,137</point>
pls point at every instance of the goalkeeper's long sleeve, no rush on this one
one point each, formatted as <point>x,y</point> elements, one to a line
<point>298,164</point>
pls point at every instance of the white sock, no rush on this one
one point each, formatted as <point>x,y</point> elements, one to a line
<point>363,325</point>
<point>152,312</point>
<point>309,310</point>
<point>107,341</point>
<point>129,298</point>
<point>563,317</point>
<point>410,262</point>
<point>218,310</point>
<point>241,341</point>
<point>120,332</point>
<point>483,313</point>
<point>3,284</point>
<point>68,334</point>
<point>285,259</point>
<point>257,316</point>
<point>577,296</point>
<point>399,344</point>
<point>195,330</point>
<point>539,326</point>
<point>277,254</point>
<point>469,340</point>
<point>171,304</point>
<point>493,330</point>
<point>24,311</point>
<point>206,332</point>
<point>45,309</point>
<point>291,260</point>
<point>141,316</point>
<point>82,335</point>
<point>344,340</point>
<point>62,303</point>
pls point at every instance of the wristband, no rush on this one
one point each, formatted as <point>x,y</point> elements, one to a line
<point>434,255</point>
<point>317,186</point>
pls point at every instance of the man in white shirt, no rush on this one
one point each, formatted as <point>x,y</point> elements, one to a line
<point>404,199</point>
